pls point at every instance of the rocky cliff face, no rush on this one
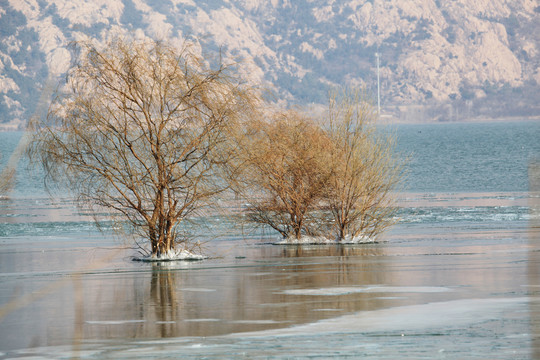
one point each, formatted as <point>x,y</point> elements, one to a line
<point>477,54</point>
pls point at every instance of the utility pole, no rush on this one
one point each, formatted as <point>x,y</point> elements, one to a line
<point>378,86</point>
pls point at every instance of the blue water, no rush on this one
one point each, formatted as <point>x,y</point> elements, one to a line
<point>475,157</point>
<point>453,157</point>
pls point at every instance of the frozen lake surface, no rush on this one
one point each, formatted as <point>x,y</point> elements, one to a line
<point>458,278</point>
<point>458,289</point>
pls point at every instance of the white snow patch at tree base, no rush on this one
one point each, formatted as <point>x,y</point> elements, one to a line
<point>321,240</point>
<point>173,255</point>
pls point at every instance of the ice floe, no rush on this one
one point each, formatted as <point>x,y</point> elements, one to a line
<point>198,289</point>
<point>113,322</point>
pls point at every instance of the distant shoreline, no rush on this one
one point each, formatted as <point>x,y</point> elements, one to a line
<point>385,119</point>
<point>393,120</point>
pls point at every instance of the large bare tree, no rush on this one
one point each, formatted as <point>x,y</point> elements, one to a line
<point>141,128</point>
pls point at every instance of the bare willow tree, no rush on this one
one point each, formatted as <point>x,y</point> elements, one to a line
<point>141,128</point>
<point>367,171</point>
<point>285,171</point>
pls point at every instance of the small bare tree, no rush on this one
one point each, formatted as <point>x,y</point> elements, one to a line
<point>141,128</point>
<point>285,172</point>
<point>366,171</point>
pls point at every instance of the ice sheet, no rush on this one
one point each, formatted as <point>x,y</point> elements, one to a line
<point>369,289</point>
<point>404,319</point>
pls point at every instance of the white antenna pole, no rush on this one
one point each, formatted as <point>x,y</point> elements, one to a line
<point>378,86</point>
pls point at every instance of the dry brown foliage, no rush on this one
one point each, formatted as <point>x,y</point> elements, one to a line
<point>334,180</point>
<point>141,128</point>
<point>367,171</point>
<point>285,171</point>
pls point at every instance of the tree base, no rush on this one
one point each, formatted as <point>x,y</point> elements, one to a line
<point>172,255</point>
<point>321,240</point>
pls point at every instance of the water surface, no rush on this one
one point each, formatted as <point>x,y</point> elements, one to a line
<point>457,278</point>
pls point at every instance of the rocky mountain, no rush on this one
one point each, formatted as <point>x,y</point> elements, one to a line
<point>439,59</point>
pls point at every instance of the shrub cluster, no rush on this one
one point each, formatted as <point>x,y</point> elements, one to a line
<point>328,178</point>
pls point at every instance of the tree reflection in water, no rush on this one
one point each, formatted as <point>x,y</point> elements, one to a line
<point>164,298</point>
<point>330,250</point>
<point>193,300</point>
